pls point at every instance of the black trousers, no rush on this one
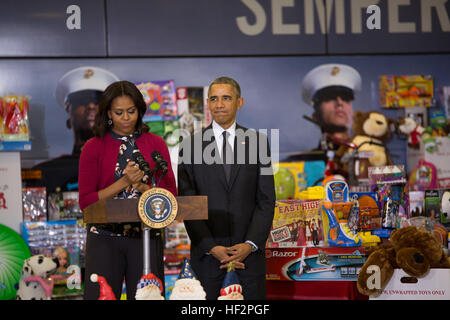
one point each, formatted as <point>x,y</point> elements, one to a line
<point>118,259</point>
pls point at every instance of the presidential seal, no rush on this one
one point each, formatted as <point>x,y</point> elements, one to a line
<point>157,208</point>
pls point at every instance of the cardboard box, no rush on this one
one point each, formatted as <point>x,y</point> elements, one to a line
<point>434,286</point>
<point>296,223</point>
<point>320,264</point>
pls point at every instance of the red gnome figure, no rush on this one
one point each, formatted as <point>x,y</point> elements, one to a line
<point>106,292</point>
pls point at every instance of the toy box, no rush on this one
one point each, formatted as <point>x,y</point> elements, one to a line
<point>296,223</point>
<point>291,178</point>
<point>193,111</point>
<point>432,204</point>
<point>34,204</point>
<point>406,91</point>
<point>176,237</point>
<point>369,210</point>
<point>434,286</point>
<point>161,101</point>
<point>439,155</point>
<point>394,174</point>
<point>445,206</point>
<point>14,124</point>
<point>416,199</point>
<point>315,264</point>
<point>170,277</point>
<point>444,100</point>
<point>64,206</point>
<point>65,240</point>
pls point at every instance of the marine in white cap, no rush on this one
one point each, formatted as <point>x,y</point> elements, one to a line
<point>79,91</point>
<point>330,89</point>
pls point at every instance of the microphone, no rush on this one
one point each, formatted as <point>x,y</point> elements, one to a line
<point>142,163</point>
<point>160,162</point>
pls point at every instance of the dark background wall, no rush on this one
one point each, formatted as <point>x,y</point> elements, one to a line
<point>192,42</point>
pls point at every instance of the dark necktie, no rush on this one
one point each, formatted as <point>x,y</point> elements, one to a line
<point>227,155</point>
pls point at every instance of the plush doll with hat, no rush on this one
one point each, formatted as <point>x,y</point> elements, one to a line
<point>187,287</point>
<point>371,131</point>
<point>149,288</point>
<point>231,288</point>
<point>411,249</point>
<point>409,127</point>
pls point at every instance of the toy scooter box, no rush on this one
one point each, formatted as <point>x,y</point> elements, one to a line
<point>315,264</point>
<point>296,223</point>
<point>406,91</point>
<point>434,286</point>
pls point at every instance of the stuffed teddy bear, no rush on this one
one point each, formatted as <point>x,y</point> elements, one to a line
<point>411,249</point>
<point>371,130</point>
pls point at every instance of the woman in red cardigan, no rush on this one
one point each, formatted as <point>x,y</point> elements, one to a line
<point>106,170</point>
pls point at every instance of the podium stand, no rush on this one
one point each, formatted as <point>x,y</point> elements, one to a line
<point>126,210</point>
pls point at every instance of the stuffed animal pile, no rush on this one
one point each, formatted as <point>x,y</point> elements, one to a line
<point>411,249</point>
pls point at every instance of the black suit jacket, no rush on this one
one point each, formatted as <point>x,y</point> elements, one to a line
<point>238,211</point>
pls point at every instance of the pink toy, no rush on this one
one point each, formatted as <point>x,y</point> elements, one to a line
<point>47,284</point>
<point>423,177</point>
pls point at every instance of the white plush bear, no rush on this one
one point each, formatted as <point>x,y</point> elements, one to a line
<point>39,266</point>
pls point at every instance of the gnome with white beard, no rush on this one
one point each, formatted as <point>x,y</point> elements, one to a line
<point>187,287</point>
<point>149,288</point>
<point>231,288</point>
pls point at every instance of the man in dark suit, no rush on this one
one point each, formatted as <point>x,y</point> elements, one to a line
<point>231,165</point>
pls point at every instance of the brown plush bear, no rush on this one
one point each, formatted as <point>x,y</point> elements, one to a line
<point>371,130</point>
<point>411,249</point>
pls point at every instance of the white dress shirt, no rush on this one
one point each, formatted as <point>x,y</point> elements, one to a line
<point>218,135</point>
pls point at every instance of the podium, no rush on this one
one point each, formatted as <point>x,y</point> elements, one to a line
<point>126,210</point>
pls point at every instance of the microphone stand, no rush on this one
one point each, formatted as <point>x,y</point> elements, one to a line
<point>146,237</point>
<point>146,229</point>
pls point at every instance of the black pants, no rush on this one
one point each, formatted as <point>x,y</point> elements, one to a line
<point>119,258</point>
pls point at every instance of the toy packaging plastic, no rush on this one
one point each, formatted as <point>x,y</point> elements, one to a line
<point>193,111</point>
<point>160,98</point>
<point>423,176</point>
<point>64,206</point>
<point>291,178</point>
<point>444,100</point>
<point>34,204</point>
<point>406,91</point>
<point>438,155</point>
<point>432,204</point>
<point>369,210</point>
<point>14,118</point>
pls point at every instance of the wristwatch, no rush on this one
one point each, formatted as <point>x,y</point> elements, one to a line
<point>254,247</point>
